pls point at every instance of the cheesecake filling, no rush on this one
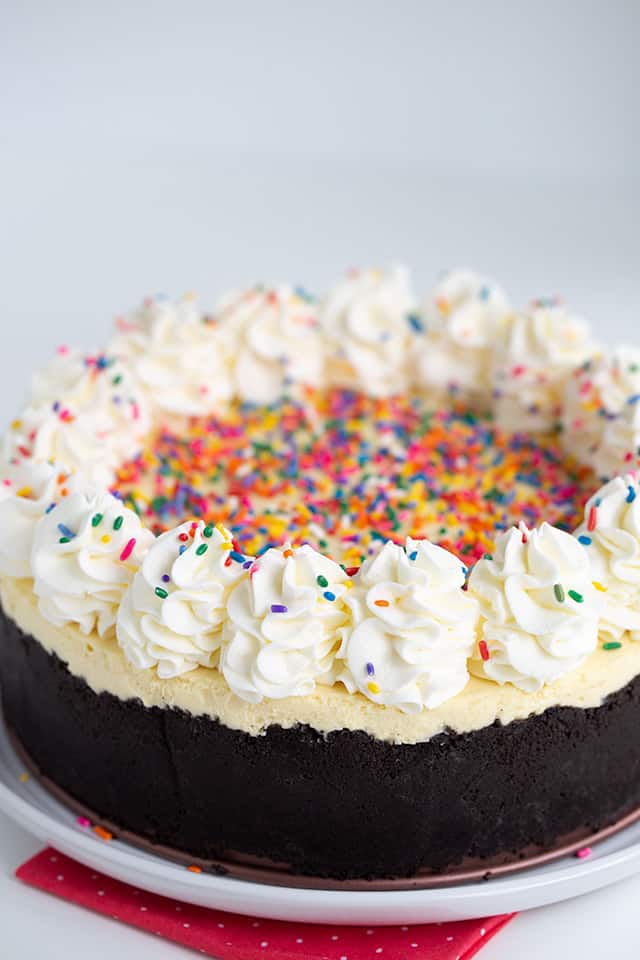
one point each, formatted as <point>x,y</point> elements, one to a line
<point>103,666</point>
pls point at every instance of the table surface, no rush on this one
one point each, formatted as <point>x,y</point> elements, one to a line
<point>35,925</point>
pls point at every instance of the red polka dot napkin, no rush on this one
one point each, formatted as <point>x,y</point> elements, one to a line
<point>228,936</point>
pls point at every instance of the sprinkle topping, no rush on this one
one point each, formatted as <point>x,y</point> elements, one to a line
<point>128,550</point>
<point>345,472</point>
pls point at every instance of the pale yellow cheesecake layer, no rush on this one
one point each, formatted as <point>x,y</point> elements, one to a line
<point>103,666</point>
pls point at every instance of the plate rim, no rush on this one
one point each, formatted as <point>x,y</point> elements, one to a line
<point>27,814</point>
<point>501,894</point>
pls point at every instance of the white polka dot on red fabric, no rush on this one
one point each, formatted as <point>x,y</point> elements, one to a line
<point>268,948</point>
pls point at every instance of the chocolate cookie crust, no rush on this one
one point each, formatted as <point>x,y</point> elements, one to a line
<point>341,805</point>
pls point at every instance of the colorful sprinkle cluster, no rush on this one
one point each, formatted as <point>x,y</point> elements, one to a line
<point>342,471</point>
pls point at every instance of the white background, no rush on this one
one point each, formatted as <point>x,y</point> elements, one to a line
<point>150,147</point>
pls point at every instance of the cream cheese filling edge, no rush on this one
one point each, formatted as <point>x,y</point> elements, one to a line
<point>104,667</point>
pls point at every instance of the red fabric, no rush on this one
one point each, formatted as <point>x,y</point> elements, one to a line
<point>228,936</point>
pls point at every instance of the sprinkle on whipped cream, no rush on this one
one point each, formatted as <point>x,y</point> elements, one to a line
<point>611,534</point>
<point>173,613</point>
<point>414,627</point>
<point>85,553</point>
<point>539,610</point>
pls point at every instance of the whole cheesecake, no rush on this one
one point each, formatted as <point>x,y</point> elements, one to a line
<point>290,590</point>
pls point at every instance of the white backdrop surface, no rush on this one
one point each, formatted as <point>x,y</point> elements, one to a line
<point>170,147</point>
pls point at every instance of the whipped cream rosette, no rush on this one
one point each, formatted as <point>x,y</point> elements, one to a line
<point>28,489</point>
<point>599,393</point>
<point>532,363</point>
<point>367,319</point>
<point>619,448</point>
<point>85,413</point>
<point>539,608</point>
<point>274,335</point>
<point>172,614</point>
<point>177,355</point>
<point>414,627</point>
<point>42,435</point>
<point>461,317</point>
<point>85,553</point>
<point>611,534</point>
<point>99,393</point>
<point>285,625</point>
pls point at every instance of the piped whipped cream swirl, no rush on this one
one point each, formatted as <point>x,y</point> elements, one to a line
<point>85,412</point>
<point>367,321</point>
<point>177,355</point>
<point>461,318</point>
<point>285,625</point>
<point>85,553</point>
<point>414,627</point>
<point>611,534</point>
<point>539,608</point>
<point>41,435</point>
<point>100,393</point>
<point>598,416</point>
<point>532,363</point>
<point>274,336</point>
<point>173,613</point>
<point>27,490</point>
<point>619,448</point>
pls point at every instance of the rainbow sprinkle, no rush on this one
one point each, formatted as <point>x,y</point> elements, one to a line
<point>344,472</point>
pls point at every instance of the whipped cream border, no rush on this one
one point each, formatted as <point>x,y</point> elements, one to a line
<point>370,321</point>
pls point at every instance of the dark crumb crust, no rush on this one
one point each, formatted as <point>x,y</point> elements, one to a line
<point>341,805</point>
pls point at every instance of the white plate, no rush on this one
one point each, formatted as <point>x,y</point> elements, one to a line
<point>29,804</point>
